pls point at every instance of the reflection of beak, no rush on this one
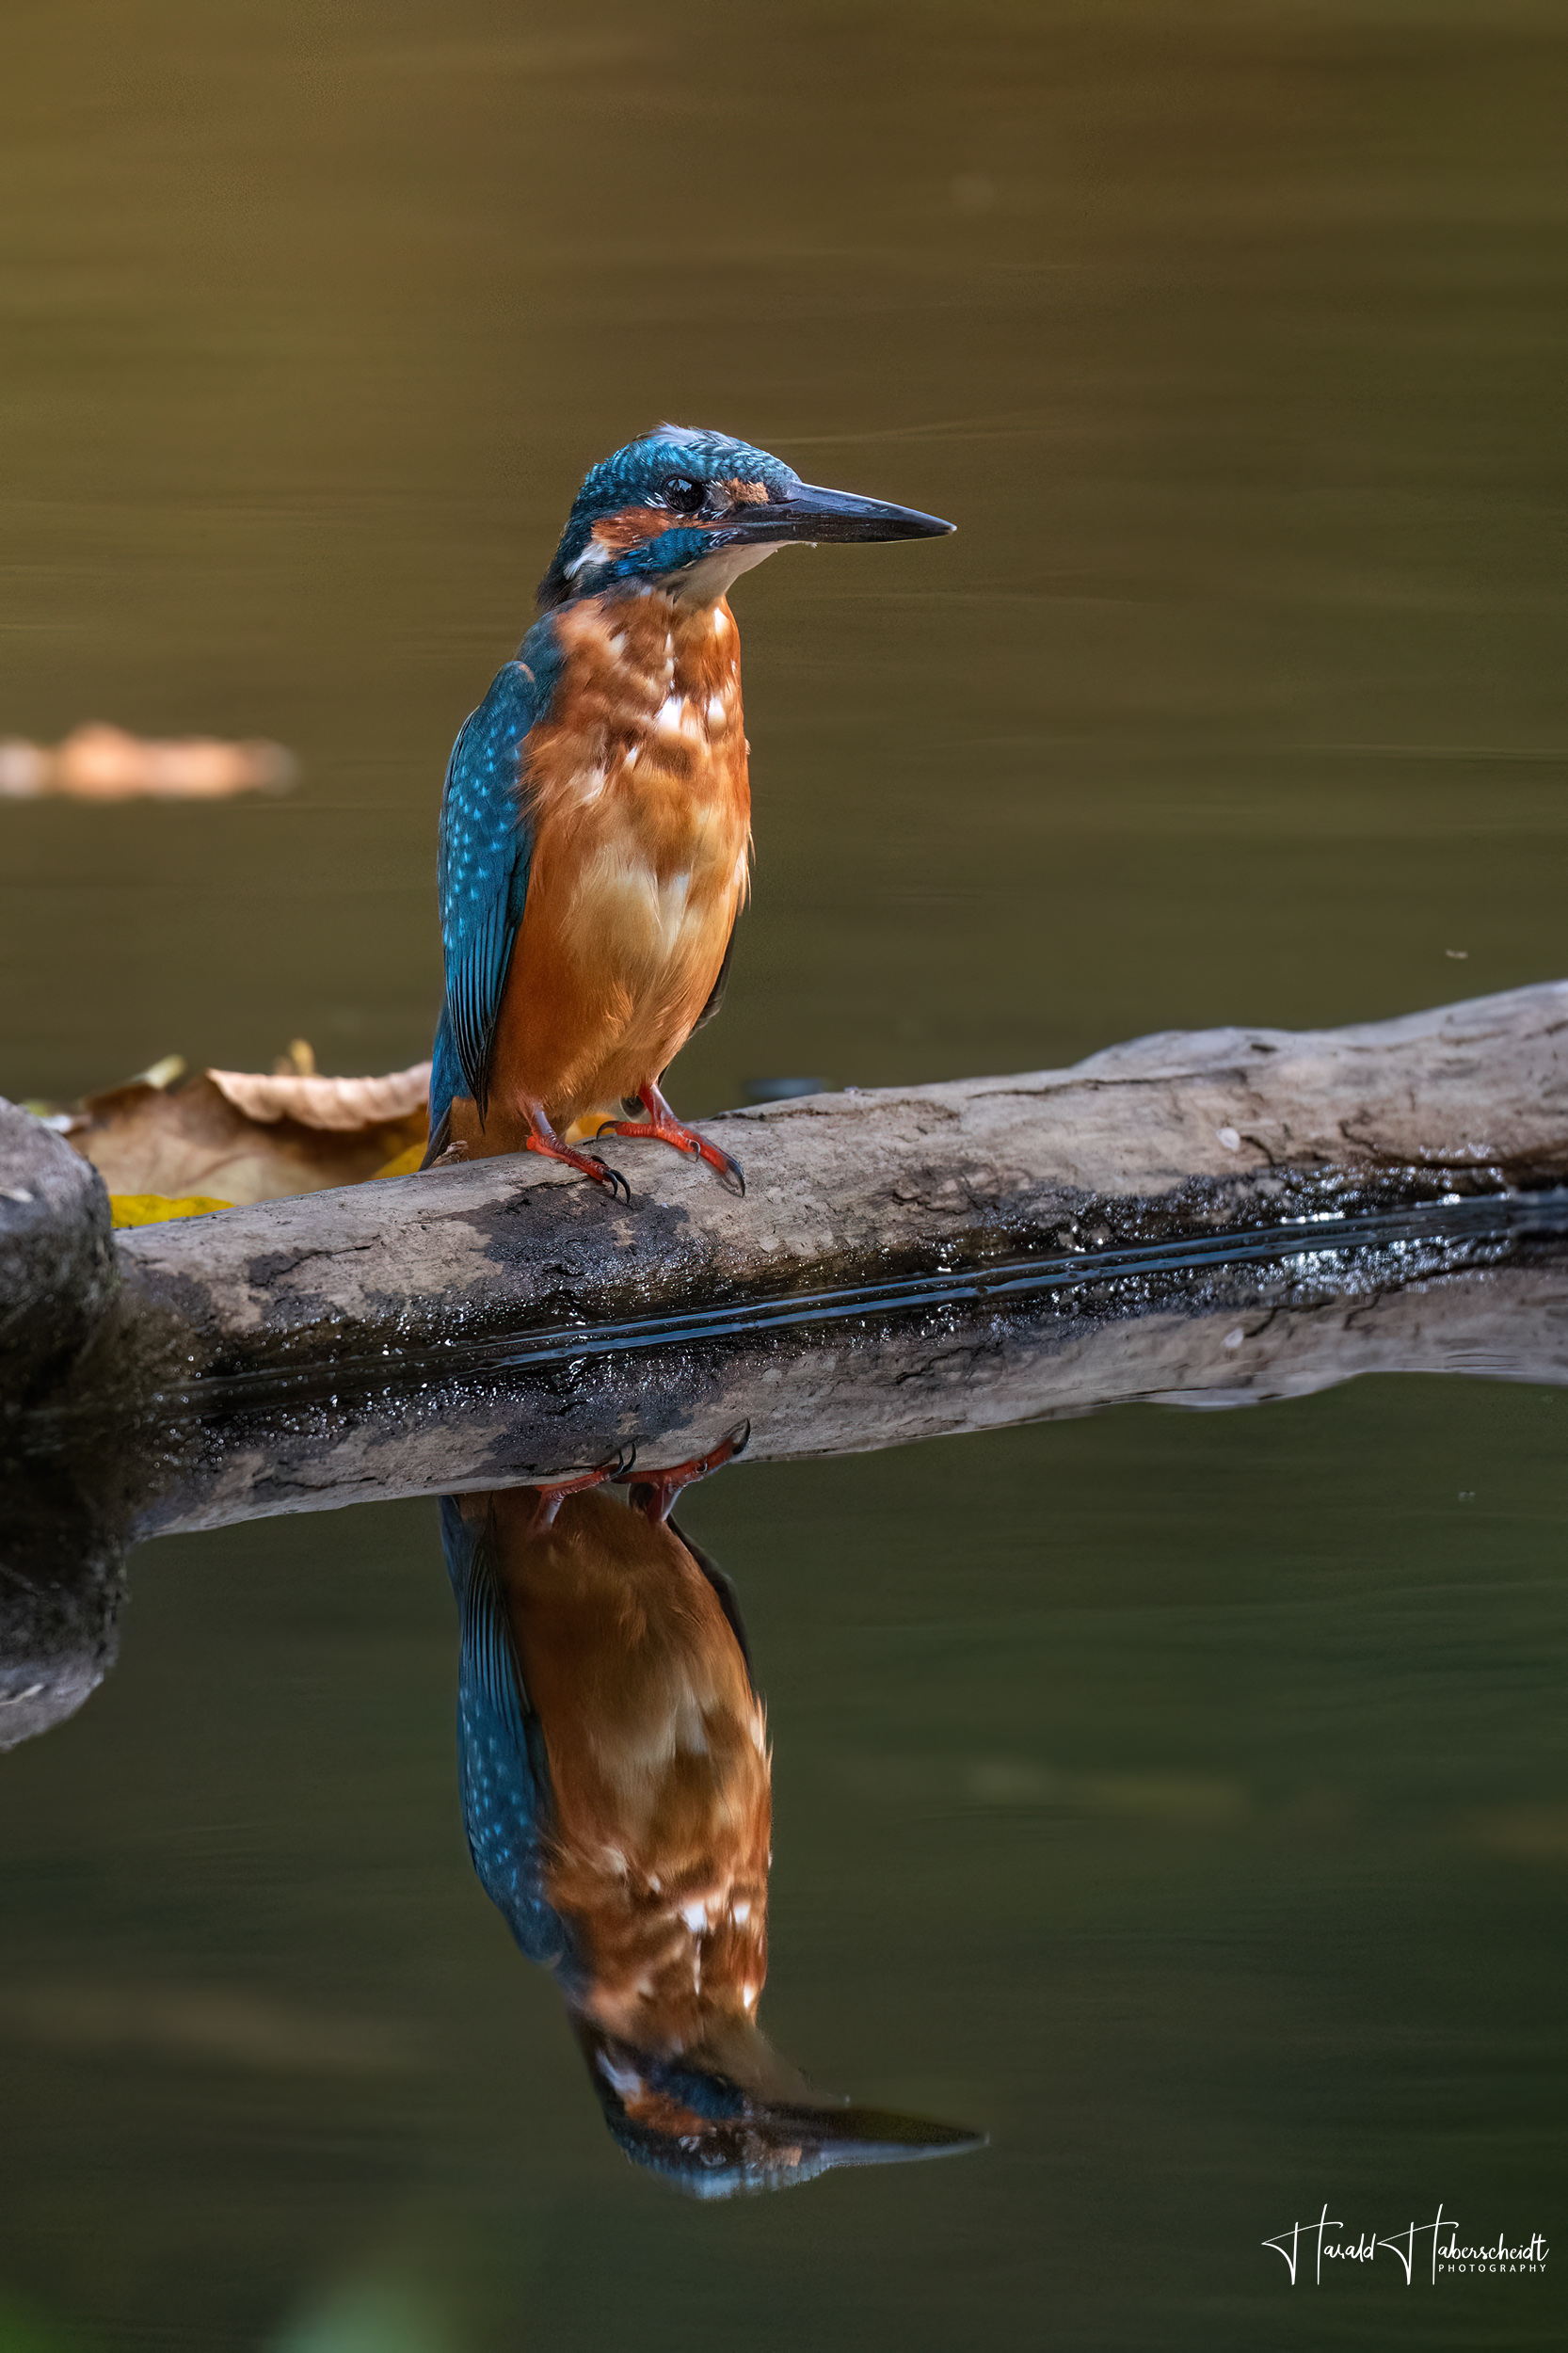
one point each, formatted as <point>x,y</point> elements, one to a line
<point>767,2148</point>
<point>810,513</point>
<point>856,2136</point>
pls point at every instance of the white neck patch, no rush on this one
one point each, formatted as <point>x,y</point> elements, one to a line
<point>706,580</point>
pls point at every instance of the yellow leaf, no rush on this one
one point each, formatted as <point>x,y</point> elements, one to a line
<point>152,1209</point>
<point>406,1163</point>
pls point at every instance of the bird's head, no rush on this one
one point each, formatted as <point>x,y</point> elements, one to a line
<point>689,511</point>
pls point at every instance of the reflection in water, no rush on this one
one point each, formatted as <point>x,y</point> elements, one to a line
<point>616,1793</point>
<point>61,1583</point>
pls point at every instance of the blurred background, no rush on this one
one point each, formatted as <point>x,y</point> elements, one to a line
<point>1184,1801</point>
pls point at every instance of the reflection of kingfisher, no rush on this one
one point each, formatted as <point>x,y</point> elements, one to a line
<point>617,1796</point>
<point>596,821</point>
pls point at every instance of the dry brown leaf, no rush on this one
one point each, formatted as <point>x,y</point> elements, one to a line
<point>339,1104</point>
<point>241,1136</point>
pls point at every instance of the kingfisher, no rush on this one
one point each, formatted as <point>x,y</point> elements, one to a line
<point>595,819</point>
<point>616,1795</point>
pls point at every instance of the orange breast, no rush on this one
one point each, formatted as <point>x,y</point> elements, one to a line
<point>641,808</point>
<point>658,1761</point>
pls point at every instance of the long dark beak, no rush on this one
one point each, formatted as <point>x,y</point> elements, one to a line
<point>810,513</point>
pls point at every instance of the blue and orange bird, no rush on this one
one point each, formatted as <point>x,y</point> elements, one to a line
<point>596,821</point>
<point>616,1794</point>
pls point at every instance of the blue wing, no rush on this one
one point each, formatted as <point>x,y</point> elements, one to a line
<point>503,1769</point>
<point>482,873</point>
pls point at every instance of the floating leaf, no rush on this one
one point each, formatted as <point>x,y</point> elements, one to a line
<point>102,763</point>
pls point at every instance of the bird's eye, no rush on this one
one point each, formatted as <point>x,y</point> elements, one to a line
<point>680,491</point>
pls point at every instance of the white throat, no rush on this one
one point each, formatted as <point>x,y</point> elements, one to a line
<point>705,581</point>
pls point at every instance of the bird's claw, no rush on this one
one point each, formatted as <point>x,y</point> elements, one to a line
<point>685,1140</point>
<point>586,1163</point>
<point>730,1173</point>
<point>655,1494</point>
<point>553,1492</point>
<point>610,1178</point>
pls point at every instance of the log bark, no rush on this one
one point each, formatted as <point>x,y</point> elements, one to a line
<point>1174,1136</point>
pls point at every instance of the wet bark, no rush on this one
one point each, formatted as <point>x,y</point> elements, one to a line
<point>1249,1336</point>
<point>1174,1136</point>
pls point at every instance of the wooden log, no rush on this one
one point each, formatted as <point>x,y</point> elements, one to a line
<point>1172,1137</point>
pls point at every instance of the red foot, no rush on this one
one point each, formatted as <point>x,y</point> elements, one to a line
<point>554,1494</point>
<point>655,1494</point>
<point>588,1162</point>
<point>662,1127</point>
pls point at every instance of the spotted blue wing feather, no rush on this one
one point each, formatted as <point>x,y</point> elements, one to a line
<point>503,1769</point>
<point>486,849</point>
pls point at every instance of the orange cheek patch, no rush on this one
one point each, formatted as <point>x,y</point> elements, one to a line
<point>614,534</point>
<point>661,2114</point>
